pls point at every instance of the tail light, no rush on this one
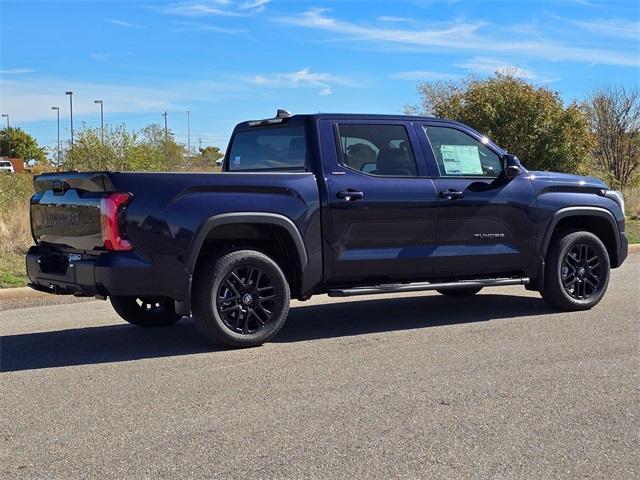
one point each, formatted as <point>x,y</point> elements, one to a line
<point>109,221</point>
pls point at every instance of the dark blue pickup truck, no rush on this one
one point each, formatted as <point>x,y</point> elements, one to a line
<point>327,203</point>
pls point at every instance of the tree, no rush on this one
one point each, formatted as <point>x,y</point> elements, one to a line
<point>614,118</point>
<point>531,122</point>
<point>122,150</point>
<point>16,143</point>
<point>208,156</point>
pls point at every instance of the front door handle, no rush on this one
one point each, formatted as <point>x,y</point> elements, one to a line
<point>451,194</point>
<point>350,195</point>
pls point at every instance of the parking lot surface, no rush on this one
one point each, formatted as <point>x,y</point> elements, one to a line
<point>413,386</point>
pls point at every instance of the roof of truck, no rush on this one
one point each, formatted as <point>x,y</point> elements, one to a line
<point>284,117</point>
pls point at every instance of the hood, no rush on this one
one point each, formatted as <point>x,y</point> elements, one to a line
<point>566,180</point>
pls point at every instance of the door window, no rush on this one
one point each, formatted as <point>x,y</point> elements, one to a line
<point>377,150</point>
<point>460,155</point>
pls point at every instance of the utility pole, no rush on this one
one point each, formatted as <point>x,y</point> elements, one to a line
<point>188,132</point>
<point>101,119</point>
<point>199,144</point>
<point>57,109</point>
<point>166,137</point>
<point>6,115</point>
<point>71,112</point>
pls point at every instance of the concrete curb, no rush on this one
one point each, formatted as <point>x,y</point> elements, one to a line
<point>26,292</point>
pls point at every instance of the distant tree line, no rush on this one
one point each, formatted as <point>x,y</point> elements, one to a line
<point>147,149</point>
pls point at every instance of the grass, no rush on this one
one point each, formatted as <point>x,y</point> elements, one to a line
<point>633,230</point>
<point>12,270</point>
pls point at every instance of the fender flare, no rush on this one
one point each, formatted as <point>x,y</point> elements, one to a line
<point>191,256</point>
<point>580,212</point>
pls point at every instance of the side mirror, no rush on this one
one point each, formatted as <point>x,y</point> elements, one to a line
<point>512,166</point>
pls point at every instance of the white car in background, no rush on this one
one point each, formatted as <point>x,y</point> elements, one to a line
<point>6,167</point>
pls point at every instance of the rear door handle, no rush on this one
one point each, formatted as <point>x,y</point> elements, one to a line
<point>350,195</point>
<point>451,194</point>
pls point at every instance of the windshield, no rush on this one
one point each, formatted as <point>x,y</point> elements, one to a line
<point>5,164</point>
<point>271,148</point>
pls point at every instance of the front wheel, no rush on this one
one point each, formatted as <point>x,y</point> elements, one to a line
<point>576,272</point>
<point>145,311</point>
<point>241,299</point>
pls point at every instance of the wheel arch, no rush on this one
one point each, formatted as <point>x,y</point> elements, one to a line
<point>249,229</point>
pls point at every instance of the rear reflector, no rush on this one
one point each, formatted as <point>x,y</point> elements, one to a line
<point>109,208</point>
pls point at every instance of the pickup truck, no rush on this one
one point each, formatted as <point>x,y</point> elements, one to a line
<point>333,204</point>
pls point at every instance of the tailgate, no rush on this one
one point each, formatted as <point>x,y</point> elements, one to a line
<point>65,210</point>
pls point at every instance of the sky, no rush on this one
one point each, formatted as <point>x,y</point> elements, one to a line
<point>227,61</point>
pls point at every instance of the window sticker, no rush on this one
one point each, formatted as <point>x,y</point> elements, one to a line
<point>461,159</point>
<point>236,160</point>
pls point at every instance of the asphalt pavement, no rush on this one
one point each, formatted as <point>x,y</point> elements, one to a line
<point>401,386</point>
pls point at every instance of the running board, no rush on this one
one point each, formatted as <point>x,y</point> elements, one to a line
<point>422,286</point>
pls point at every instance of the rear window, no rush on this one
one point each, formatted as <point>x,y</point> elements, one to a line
<point>5,164</point>
<point>272,148</point>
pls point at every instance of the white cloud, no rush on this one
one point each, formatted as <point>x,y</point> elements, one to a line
<point>423,75</point>
<point>463,36</point>
<point>203,27</point>
<point>226,8</point>
<point>322,82</point>
<point>489,66</point>
<point>122,23</point>
<point>100,56</point>
<point>30,100</point>
<point>16,71</point>
<point>618,27</point>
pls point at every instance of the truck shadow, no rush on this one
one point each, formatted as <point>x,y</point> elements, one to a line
<point>118,343</point>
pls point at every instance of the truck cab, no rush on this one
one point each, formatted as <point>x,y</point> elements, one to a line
<point>340,204</point>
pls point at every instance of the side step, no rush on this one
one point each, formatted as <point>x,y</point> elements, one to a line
<point>422,286</point>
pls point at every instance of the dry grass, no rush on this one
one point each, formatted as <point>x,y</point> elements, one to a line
<point>15,234</point>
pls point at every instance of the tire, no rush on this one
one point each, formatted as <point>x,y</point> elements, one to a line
<point>460,292</point>
<point>576,271</point>
<point>241,299</point>
<point>145,311</point>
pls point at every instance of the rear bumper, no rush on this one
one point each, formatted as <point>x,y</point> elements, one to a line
<point>121,273</point>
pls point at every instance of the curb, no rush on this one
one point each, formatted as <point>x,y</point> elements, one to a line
<point>26,292</point>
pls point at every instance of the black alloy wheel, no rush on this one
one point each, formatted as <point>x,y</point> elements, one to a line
<point>246,299</point>
<point>580,271</point>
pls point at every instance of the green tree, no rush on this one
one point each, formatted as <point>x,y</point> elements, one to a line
<point>529,121</point>
<point>123,150</point>
<point>208,156</point>
<point>16,143</point>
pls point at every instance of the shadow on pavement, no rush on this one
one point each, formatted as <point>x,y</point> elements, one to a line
<point>117,343</point>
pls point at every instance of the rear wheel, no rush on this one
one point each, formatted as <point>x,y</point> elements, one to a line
<point>241,299</point>
<point>576,271</point>
<point>145,311</point>
<point>460,292</point>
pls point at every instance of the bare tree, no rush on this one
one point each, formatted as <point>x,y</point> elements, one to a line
<point>614,117</point>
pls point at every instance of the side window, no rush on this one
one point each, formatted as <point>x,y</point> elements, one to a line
<point>377,150</point>
<point>460,155</point>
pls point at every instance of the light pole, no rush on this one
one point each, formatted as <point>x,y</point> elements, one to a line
<point>188,133</point>
<point>101,119</point>
<point>6,115</point>
<point>57,109</point>
<point>71,111</point>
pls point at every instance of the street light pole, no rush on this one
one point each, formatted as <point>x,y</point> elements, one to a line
<point>101,119</point>
<point>71,112</point>
<point>57,109</point>
<point>189,132</point>
<point>6,115</point>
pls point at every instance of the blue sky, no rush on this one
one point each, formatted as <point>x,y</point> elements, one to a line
<point>231,60</point>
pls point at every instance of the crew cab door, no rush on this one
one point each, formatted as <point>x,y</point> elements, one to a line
<point>381,205</point>
<point>486,223</point>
